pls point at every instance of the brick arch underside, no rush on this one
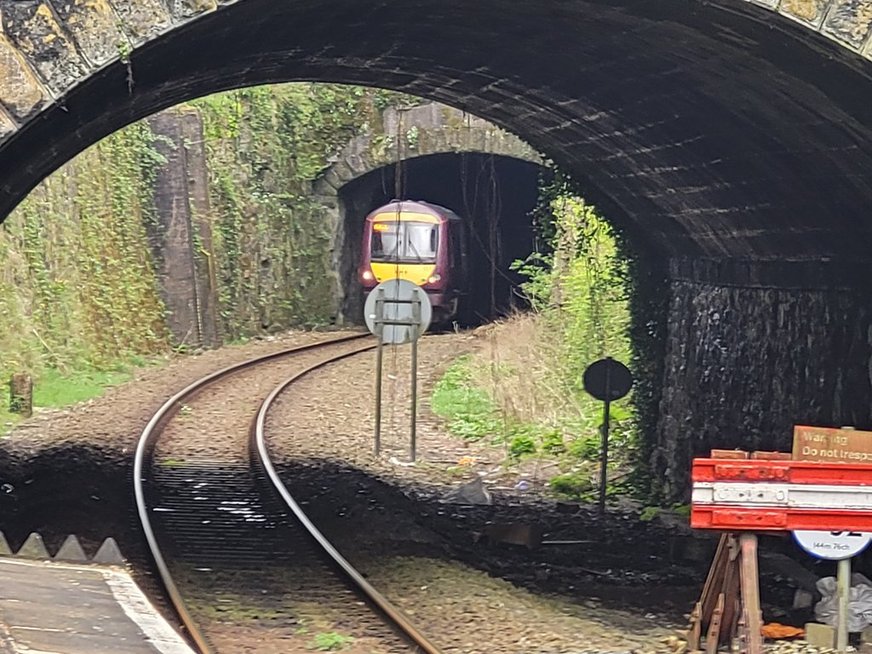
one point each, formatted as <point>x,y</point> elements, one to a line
<point>727,141</point>
<point>716,131</point>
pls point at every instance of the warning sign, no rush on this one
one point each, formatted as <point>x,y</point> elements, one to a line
<point>830,444</point>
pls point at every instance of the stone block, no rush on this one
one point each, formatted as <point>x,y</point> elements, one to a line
<point>5,550</point>
<point>71,551</point>
<point>802,599</point>
<point>33,548</point>
<point>109,554</point>
<point>20,90</point>
<point>850,21</point>
<point>807,11</point>
<point>93,27</point>
<point>188,8</point>
<point>7,125</point>
<point>820,635</point>
<point>770,4</point>
<point>36,32</point>
<point>142,19</point>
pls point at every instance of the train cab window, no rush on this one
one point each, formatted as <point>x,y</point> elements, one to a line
<point>404,241</point>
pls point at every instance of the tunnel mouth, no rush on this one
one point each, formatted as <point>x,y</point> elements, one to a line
<point>494,196</point>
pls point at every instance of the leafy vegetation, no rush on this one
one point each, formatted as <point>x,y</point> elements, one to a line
<point>524,389</point>
<point>78,292</point>
<point>78,300</point>
<point>330,641</point>
<point>271,239</point>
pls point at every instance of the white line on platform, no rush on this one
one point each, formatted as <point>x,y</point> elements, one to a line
<point>137,607</point>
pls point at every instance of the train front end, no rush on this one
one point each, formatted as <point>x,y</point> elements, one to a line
<point>410,241</point>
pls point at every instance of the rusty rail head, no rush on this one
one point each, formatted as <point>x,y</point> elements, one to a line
<point>394,614</point>
<point>145,448</point>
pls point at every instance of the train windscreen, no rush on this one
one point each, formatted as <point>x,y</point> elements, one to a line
<point>404,241</point>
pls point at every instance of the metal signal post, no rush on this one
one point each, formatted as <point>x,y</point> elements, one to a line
<point>379,335</point>
<point>397,311</point>
<point>606,380</point>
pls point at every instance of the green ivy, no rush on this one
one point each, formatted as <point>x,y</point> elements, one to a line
<point>77,290</point>
<point>271,239</point>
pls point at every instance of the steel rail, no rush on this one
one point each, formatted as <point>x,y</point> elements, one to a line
<point>145,447</point>
<point>394,614</point>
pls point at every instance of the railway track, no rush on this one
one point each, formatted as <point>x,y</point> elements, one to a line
<point>240,561</point>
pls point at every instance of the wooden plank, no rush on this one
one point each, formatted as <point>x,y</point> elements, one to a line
<point>771,456</point>
<point>713,635</point>
<point>743,633</point>
<point>695,631</point>
<point>714,580</point>
<point>732,599</point>
<point>21,394</point>
<point>728,454</point>
<point>750,593</point>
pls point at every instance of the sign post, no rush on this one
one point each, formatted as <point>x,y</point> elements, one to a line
<point>607,380</point>
<point>838,546</point>
<point>826,502</point>
<point>397,311</point>
<point>379,330</point>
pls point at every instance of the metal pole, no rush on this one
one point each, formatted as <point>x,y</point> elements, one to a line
<point>379,335</point>
<point>605,458</point>
<point>416,320</point>
<point>605,449</point>
<point>844,589</point>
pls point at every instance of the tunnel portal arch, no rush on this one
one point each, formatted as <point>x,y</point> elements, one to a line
<point>409,136</point>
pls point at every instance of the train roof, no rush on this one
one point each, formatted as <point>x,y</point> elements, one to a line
<point>415,206</point>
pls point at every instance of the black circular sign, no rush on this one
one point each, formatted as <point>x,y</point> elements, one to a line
<point>607,379</point>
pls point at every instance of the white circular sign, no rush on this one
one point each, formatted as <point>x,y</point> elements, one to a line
<point>833,545</point>
<point>398,296</point>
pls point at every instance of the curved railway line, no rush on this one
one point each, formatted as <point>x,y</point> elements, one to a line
<point>231,546</point>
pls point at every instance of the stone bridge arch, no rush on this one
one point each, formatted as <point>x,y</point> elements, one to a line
<point>730,140</point>
<point>405,135</point>
<point>419,131</point>
<point>49,47</point>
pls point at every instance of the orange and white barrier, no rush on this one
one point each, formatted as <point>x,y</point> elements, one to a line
<point>738,495</point>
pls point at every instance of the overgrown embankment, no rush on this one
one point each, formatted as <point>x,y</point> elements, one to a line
<point>523,390</point>
<point>77,289</point>
<point>81,290</point>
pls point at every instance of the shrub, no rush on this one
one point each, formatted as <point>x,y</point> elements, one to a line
<point>521,445</point>
<point>572,484</point>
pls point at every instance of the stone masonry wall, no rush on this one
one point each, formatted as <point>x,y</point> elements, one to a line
<point>48,46</point>
<point>745,363</point>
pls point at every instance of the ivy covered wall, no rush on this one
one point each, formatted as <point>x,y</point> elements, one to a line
<point>80,264</point>
<point>76,282</point>
<point>272,238</point>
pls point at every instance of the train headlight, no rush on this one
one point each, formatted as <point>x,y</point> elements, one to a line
<point>367,276</point>
<point>432,279</point>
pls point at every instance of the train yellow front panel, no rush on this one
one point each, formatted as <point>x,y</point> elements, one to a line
<point>417,273</point>
<point>402,216</point>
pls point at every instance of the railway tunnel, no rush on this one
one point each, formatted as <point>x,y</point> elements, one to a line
<point>488,192</point>
<point>728,140</point>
